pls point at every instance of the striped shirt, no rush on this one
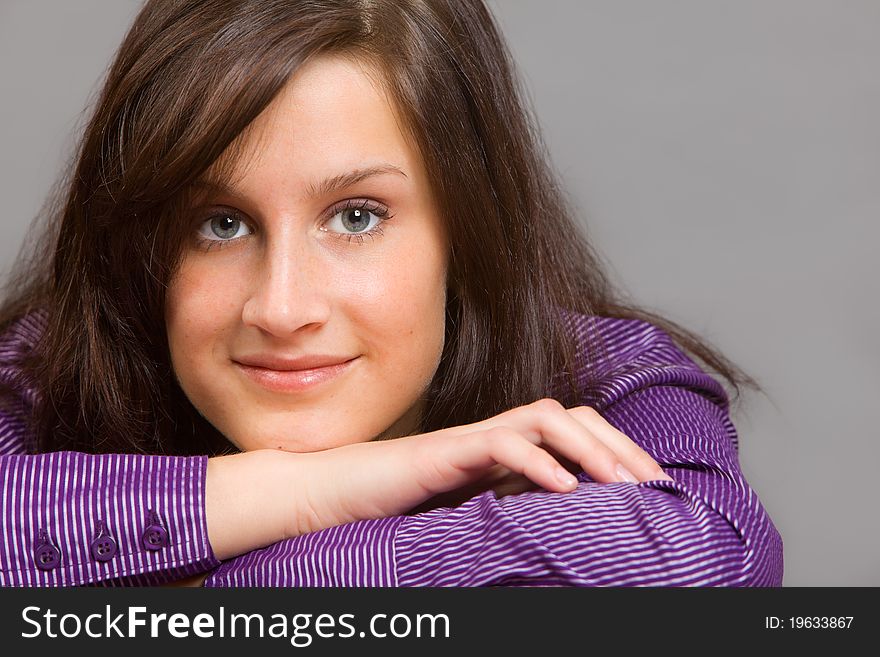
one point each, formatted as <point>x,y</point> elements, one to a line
<point>705,528</point>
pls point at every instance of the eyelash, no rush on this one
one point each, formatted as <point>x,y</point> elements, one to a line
<point>373,207</point>
<point>379,210</point>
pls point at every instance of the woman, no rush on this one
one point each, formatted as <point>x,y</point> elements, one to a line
<point>312,306</point>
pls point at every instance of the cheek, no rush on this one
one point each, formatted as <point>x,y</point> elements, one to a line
<point>196,312</point>
<point>404,303</point>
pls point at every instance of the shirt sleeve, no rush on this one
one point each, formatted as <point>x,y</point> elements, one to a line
<point>706,528</point>
<point>355,554</point>
<point>72,519</point>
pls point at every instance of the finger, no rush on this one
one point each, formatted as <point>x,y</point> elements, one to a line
<point>633,457</point>
<point>446,461</point>
<point>570,438</point>
<point>512,450</point>
<point>507,447</point>
<point>565,431</point>
<point>636,463</point>
<point>582,441</point>
<point>513,418</point>
<point>546,421</point>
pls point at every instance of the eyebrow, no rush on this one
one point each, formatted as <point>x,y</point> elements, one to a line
<point>323,187</point>
<point>335,183</point>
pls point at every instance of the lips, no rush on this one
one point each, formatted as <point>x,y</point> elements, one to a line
<point>310,372</point>
<point>286,364</point>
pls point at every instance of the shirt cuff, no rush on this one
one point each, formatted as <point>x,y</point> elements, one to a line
<point>72,519</point>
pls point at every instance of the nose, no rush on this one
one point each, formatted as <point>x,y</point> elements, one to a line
<point>290,288</point>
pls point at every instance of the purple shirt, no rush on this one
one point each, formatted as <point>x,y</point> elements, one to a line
<point>706,528</point>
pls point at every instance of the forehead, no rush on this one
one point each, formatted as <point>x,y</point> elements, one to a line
<point>333,115</point>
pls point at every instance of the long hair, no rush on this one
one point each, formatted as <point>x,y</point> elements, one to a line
<point>187,81</point>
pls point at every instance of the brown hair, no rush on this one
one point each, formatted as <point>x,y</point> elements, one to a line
<point>188,80</point>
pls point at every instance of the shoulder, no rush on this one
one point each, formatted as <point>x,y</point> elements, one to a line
<point>18,340</point>
<point>618,357</point>
<point>22,334</point>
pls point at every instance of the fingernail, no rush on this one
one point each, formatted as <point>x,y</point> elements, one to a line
<point>625,475</point>
<point>665,476</point>
<point>565,477</point>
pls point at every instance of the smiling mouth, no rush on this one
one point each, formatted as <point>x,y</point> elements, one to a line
<point>294,380</point>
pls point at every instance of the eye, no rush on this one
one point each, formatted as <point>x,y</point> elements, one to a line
<point>356,217</point>
<point>223,226</point>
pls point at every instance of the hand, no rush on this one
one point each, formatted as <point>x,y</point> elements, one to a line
<point>501,480</point>
<point>504,481</point>
<point>387,478</point>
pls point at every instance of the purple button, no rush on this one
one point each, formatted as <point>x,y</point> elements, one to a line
<point>155,537</point>
<point>103,548</point>
<point>46,555</point>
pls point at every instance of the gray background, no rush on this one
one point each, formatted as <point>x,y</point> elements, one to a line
<point>725,157</point>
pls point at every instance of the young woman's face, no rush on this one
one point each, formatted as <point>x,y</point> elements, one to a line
<point>298,261</point>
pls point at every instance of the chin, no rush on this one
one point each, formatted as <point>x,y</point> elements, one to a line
<point>285,446</point>
<point>297,446</point>
<point>290,433</point>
